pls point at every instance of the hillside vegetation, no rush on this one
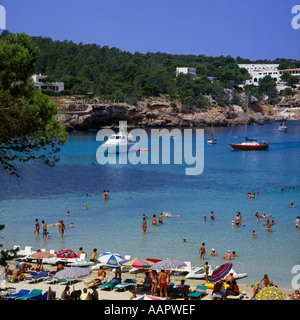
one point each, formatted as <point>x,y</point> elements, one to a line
<point>115,75</point>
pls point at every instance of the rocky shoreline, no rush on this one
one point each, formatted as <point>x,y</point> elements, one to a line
<point>84,116</point>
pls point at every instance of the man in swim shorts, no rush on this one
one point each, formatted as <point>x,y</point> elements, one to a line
<point>162,281</point>
<point>44,226</point>
<point>202,251</point>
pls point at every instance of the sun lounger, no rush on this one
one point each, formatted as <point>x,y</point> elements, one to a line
<point>124,285</point>
<point>230,297</point>
<point>109,285</point>
<point>44,296</point>
<point>31,295</point>
<point>198,292</point>
<point>21,293</point>
<point>37,277</point>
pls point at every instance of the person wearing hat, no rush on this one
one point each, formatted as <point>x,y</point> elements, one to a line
<point>228,255</point>
<point>213,252</point>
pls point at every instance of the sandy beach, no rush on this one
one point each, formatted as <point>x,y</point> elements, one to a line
<point>58,288</point>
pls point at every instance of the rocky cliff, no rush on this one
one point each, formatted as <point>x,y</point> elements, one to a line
<point>94,115</point>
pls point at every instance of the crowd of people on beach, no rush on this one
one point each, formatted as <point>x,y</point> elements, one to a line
<point>159,281</point>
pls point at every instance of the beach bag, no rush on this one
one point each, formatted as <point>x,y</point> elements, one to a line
<point>11,278</point>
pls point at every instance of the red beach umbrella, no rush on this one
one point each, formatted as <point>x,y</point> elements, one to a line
<point>220,272</point>
<point>66,253</point>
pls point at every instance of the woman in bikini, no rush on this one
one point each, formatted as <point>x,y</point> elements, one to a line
<point>154,283</point>
<point>154,220</point>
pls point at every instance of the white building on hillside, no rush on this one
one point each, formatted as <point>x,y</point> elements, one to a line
<point>186,70</point>
<point>293,72</point>
<point>259,71</point>
<point>40,84</point>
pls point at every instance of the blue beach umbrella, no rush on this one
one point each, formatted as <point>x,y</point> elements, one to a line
<point>220,272</point>
<point>110,259</point>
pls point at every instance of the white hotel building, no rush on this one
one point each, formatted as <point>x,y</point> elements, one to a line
<point>258,71</point>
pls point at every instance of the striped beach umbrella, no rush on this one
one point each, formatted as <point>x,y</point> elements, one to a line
<point>137,263</point>
<point>41,255</point>
<point>72,273</point>
<point>168,264</point>
<point>220,272</point>
<point>110,259</point>
<point>146,297</point>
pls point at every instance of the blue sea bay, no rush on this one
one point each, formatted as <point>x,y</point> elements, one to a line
<point>115,225</point>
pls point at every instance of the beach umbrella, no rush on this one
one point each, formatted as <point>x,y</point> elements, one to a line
<point>72,273</point>
<point>41,255</point>
<point>50,294</point>
<point>168,264</point>
<point>136,263</point>
<point>66,253</point>
<point>270,293</point>
<point>110,259</point>
<point>146,297</point>
<point>220,272</point>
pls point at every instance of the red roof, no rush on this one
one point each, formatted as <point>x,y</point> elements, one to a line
<point>298,69</point>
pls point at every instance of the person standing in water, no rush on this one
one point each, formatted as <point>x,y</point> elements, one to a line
<point>154,220</point>
<point>144,225</point>
<point>160,218</point>
<point>44,226</point>
<point>202,251</point>
<point>37,226</point>
<point>61,228</point>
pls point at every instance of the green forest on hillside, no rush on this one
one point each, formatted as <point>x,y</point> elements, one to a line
<point>112,74</point>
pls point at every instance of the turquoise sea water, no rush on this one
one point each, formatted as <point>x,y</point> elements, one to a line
<point>115,225</point>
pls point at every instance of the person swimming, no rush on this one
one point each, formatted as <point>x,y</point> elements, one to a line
<point>170,215</point>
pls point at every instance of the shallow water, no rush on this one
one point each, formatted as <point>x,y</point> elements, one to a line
<point>115,225</point>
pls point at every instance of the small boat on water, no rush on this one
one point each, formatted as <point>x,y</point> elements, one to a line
<point>283,127</point>
<point>212,139</point>
<point>120,142</point>
<point>249,144</point>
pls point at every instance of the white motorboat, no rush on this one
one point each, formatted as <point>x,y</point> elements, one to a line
<point>81,262</point>
<point>120,142</point>
<point>188,269</point>
<point>212,140</point>
<point>198,273</point>
<point>282,127</point>
<point>22,253</point>
<point>201,274</point>
<point>237,275</point>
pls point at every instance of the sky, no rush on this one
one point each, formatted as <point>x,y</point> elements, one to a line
<point>253,29</point>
